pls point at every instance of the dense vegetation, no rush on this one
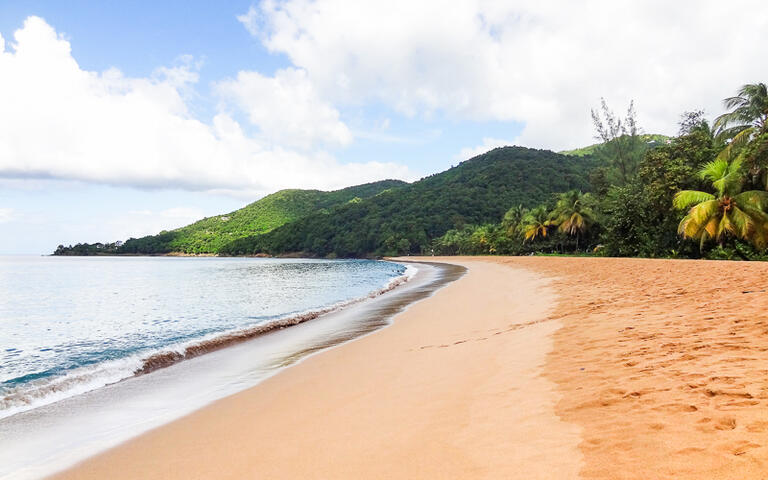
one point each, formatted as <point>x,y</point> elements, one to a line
<point>88,249</point>
<point>409,219</point>
<point>210,234</point>
<point>702,193</point>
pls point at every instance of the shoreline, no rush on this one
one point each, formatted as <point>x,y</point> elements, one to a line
<point>202,346</point>
<point>90,415</point>
<point>168,355</point>
<point>566,367</point>
<point>429,383</point>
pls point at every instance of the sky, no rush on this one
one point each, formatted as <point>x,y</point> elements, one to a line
<point>121,119</point>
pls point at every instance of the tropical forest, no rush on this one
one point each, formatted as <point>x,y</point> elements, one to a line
<point>700,194</point>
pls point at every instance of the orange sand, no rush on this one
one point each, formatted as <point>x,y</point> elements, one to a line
<point>675,365</point>
<point>528,368</point>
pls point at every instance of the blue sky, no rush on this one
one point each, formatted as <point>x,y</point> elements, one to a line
<point>137,37</point>
<point>124,118</point>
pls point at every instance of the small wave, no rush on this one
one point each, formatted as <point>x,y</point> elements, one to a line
<point>200,347</point>
<point>48,390</point>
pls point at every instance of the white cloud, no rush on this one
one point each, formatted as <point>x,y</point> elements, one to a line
<point>487,145</point>
<point>542,63</point>
<point>60,121</point>
<point>6,215</point>
<point>286,108</point>
<point>251,20</point>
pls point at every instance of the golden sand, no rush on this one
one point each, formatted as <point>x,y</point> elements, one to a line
<point>530,368</point>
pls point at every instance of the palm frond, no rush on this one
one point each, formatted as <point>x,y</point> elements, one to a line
<point>758,234</point>
<point>685,198</point>
<point>712,226</point>
<point>739,138</point>
<point>700,215</point>
<point>714,170</point>
<point>742,223</point>
<point>724,226</point>
<point>755,198</point>
<point>724,134</point>
<point>748,109</point>
<point>725,176</point>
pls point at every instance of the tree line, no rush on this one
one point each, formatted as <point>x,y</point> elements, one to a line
<point>701,194</point>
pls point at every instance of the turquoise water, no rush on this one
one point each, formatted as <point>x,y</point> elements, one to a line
<point>69,325</point>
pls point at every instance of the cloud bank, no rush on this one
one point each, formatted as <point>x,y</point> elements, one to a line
<point>62,122</point>
<point>542,63</point>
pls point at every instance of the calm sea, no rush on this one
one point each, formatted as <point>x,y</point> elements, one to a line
<point>70,325</point>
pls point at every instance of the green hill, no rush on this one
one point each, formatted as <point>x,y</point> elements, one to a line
<point>651,138</point>
<point>210,234</point>
<point>405,220</point>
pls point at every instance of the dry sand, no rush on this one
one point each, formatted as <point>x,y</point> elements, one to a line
<point>663,364</point>
<point>525,368</point>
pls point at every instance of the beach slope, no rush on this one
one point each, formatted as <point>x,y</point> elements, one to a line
<point>453,389</point>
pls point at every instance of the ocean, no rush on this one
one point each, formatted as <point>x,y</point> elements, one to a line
<point>72,324</point>
<point>95,350</point>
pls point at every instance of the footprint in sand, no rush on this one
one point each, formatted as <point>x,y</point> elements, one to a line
<point>726,423</point>
<point>690,450</point>
<point>742,447</point>
<point>677,407</point>
<point>757,427</point>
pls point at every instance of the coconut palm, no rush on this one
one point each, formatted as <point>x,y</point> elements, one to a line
<point>535,223</point>
<point>512,219</point>
<point>573,214</point>
<point>748,110</point>
<point>742,126</point>
<point>727,211</point>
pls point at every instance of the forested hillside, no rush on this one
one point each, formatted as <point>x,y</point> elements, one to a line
<point>210,234</point>
<point>406,220</point>
<point>703,193</point>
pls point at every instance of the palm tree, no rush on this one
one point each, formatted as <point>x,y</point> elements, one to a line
<point>746,120</point>
<point>512,219</point>
<point>535,223</point>
<point>573,214</point>
<point>728,211</point>
<point>748,110</point>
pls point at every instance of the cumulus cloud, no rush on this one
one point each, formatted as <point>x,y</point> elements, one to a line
<point>286,108</point>
<point>542,63</point>
<point>60,121</point>
<point>251,20</point>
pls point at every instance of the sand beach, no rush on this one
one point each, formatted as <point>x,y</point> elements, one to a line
<point>531,367</point>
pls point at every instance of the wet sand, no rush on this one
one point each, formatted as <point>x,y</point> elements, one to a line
<point>452,389</point>
<point>527,367</point>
